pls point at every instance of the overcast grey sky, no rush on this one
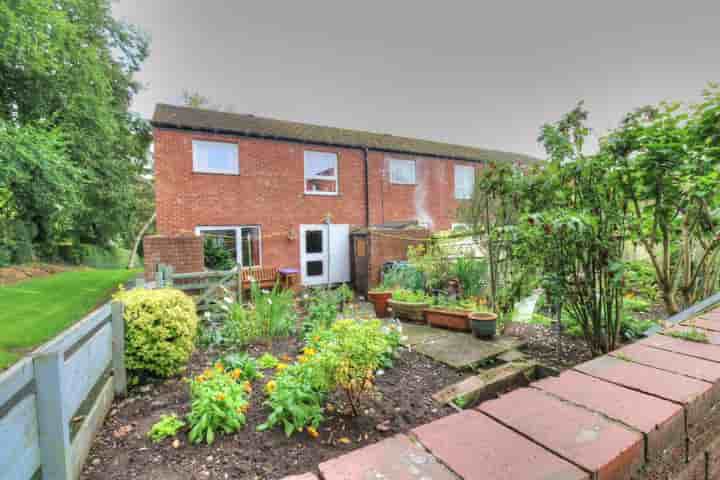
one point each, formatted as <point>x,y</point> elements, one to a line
<point>484,73</point>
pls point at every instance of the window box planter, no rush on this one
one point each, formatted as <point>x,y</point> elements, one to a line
<point>484,325</point>
<point>446,318</point>
<point>380,301</point>
<point>409,310</point>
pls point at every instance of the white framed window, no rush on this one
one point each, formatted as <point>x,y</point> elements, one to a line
<point>215,157</point>
<point>464,181</point>
<point>402,172</point>
<point>321,173</point>
<point>460,227</point>
<point>243,242</point>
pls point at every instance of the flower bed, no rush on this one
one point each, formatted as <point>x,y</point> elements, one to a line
<point>123,450</point>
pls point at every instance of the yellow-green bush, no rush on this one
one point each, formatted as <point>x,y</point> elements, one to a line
<point>160,330</point>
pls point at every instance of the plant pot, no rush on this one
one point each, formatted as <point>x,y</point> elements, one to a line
<point>380,301</point>
<point>408,310</point>
<point>452,319</point>
<point>484,325</point>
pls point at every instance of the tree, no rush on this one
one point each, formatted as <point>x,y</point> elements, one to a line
<point>667,160</point>
<point>67,68</point>
<point>195,99</point>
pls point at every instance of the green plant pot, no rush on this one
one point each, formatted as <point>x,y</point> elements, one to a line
<point>484,325</point>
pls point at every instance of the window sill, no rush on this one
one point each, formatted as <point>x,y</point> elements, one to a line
<point>316,194</point>
<point>403,184</point>
<point>230,174</point>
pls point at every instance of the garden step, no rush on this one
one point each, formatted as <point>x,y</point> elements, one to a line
<point>396,458</point>
<point>462,350</point>
<point>695,395</point>
<point>606,449</point>
<point>488,384</point>
<point>708,351</point>
<point>662,422</point>
<point>477,447</point>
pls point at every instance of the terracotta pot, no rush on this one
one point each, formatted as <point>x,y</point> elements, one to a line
<point>484,325</point>
<point>408,311</point>
<point>452,319</point>
<point>380,301</point>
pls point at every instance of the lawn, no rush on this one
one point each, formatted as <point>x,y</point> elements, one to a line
<point>34,311</point>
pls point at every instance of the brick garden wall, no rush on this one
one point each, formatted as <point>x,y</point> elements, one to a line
<point>184,252</point>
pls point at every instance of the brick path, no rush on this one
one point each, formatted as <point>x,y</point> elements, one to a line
<point>604,419</point>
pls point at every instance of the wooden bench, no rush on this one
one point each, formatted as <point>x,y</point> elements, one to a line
<point>266,277</point>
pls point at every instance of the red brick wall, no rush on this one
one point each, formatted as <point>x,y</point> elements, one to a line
<point>387,245</point>
<point>184,252</point>
<point>269,191</point>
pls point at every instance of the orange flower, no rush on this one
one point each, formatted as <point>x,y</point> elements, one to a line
<point>312,431</point>
<point>286,358</point>
<point>302,359</point>
<point>248,387</point>
<point>220,397</point>
<point>281,366</point>
<point>200,379</point>
<point>243,409</point>
<point>235,374</point>
<point>309,351</point>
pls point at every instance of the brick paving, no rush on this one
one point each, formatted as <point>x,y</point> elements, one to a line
<point>611,418</point>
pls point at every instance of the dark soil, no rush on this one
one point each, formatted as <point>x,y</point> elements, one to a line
<point>546,347</point>
<point>19,273</point>
<point>122,450</point>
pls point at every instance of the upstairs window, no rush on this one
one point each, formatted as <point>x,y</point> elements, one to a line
<point>321,173</point>
<point>402,172</point>
<point>215,157</point>
<point>464,181</point>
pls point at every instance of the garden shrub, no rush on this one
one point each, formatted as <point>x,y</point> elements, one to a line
<point>217,256</point>
<point>219,403</point>
<point>411,296</point>
<point>345,356</point>
<point>160,330</point>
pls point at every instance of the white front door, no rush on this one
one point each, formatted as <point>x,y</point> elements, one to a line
<point>324,254</point>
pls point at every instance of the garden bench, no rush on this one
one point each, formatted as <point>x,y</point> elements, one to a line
<point>266,277</point>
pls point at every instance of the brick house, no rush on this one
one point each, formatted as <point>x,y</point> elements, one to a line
<point>288,194</point>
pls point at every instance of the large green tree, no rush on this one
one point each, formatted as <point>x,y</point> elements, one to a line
<point>71,152</point>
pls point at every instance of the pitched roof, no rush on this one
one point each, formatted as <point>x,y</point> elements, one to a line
<point>173,116</point>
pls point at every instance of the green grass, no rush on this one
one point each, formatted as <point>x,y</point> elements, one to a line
<point>34,311</point>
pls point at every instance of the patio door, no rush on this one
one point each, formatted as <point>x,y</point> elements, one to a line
<point>324,254</point>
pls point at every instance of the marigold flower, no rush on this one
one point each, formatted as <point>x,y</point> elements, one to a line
<point>248,387</point>
<point>312,431</point>
<point>219,367</point>
<point>302,359</point>
<point>281,366</point>
<point>220,397</point>
<point>309,351</point>
<point>200,379</point>
<point>270,386</point>
<point>235,374</point>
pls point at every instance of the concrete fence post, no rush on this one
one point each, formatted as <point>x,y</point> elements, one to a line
<point>53,424</point>
<point>118,349</point>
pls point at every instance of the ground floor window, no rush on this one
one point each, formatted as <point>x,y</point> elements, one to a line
<point>227,246</point>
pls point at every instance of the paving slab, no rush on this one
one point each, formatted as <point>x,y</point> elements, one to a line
<point>708,351</point>
<point>605,448</point>
<point>479,448</point>
<point>461,350</point>
<point>662,422</point>
<point>396,458</point>
<point>305,476</point>
<point>694,395</point>
<point>414,334</point>
<point>670,361</point>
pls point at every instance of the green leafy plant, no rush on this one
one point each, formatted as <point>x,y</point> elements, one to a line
<point>217,256</point>
<point>411,296</point>
<point>267,360</point>
<point>218,405</point>
<point>462,401</point>
<point>167,426</point>
<point>160,330</point>
<point>402,276</point>
<point>692,335</point>
<point>243,363</point>
<point>345,293</point>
